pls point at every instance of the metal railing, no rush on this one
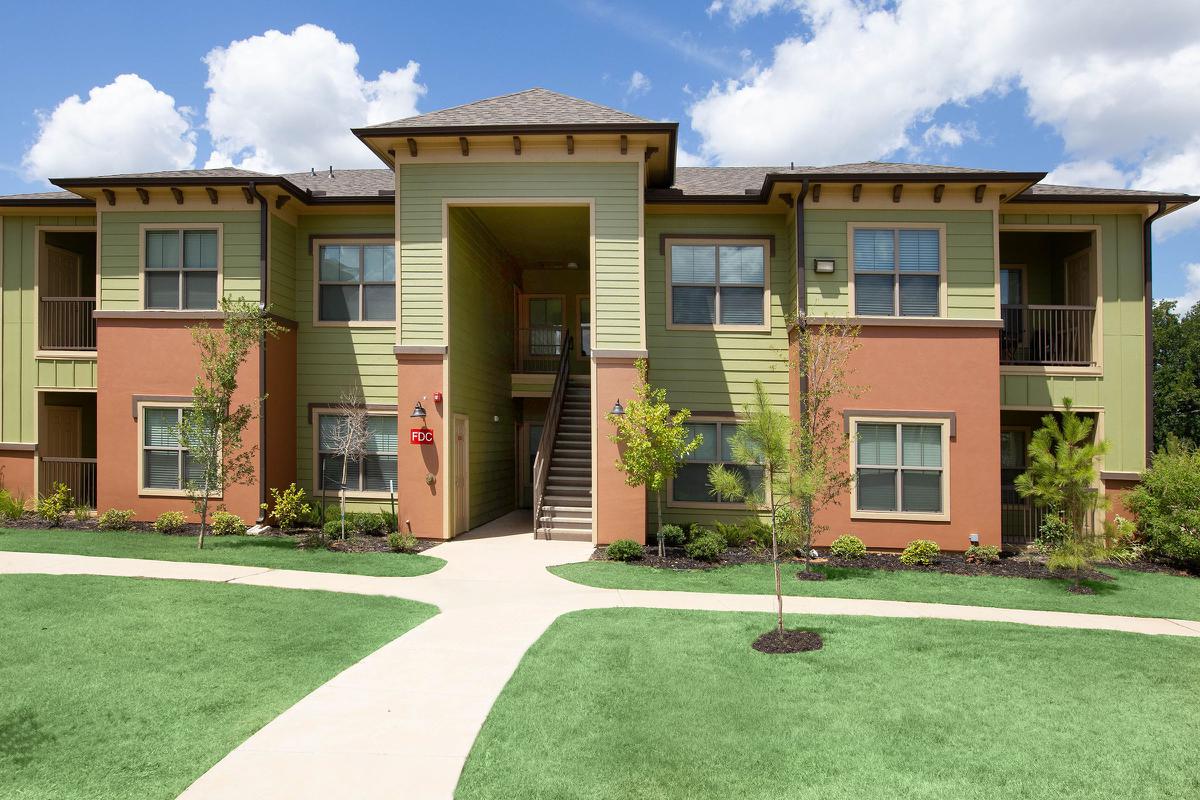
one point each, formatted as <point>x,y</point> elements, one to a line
<point>65,323</point>
<point>539,348</point>
<point>79,474</point>
<point>1021,520</point>
<point>541,462</point>
<point>1047,335</point>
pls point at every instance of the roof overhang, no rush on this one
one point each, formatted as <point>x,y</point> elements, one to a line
<point>272,186</point>
<point>46,202</point>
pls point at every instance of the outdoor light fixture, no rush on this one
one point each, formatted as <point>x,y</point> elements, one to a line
<point>618,410</point>
<point>823,265</point>
<point>973,538</point>
<point>418,411</point>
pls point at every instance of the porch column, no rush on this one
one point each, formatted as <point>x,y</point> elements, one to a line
<point>422,490</point>
<point>618,510</point>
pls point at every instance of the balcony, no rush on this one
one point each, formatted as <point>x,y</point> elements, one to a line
<point>1048,335</point>
<point>65,323</point>
<point>539,348</point>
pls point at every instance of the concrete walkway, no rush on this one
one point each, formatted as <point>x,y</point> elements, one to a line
<point>400,723</point>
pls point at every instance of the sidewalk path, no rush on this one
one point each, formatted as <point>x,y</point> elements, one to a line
<point>400,723</point>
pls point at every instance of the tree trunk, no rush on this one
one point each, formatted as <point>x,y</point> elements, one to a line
<point>662,552</point>
<point>775,554</point>
<point>342,492</point>
<point>203,515</point>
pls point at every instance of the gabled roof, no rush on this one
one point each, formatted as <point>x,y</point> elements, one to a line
<point>1054,193</point>
<point>45,199</point>
<point>346,182</point>
<point>532,107</point>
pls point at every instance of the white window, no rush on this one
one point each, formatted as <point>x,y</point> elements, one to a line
<point>356,283</point>
<point>691,482</point>
<point>375,473</point>
<point>722,285</point>
<point>181,269</point>
<point>166,465</point>
<point>900,468</point>
<point>897,272</point>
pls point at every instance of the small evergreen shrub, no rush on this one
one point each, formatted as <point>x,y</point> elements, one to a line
<point>982,554</point>
<point>1167,504</point>
<point>920,551</point>
<point>170,522</point>
<point>706,547</point>
<point>11,506</point>
<point>624,550</point>
<point>847,546</point>
<point>114,520</point>
<point>224,523</point>
<point>333,527</point>
<point>290,509</point>
<point>54,507</point>
<point>672,535</point>
<point>366,524</point>
<point>737,534</point>
<point>402,542</point>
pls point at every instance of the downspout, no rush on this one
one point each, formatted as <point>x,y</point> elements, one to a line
<point>1148,303</point>
<point>801,284</point>
<point>264,220</point>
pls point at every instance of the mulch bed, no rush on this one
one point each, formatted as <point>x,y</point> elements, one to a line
<point>794,641</point>
<point>811,575</point>
<point>956,564</point>
<point>373,544</point>
<point>677,558</point>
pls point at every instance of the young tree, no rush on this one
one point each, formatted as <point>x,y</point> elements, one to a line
<point>1061,477</point>
<point>349,440</point>
<point>211,430</point>
<point>653,442</point>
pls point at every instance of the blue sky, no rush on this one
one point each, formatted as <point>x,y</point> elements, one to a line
<point>1098,92</point>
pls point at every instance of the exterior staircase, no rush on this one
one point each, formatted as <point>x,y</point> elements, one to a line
<point>566,511</point>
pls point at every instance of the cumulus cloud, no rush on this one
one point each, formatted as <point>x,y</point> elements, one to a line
<point>124,126</point>
<point>1191,292</point>
<point>949,135</point>
<point>1087,173</point>
<point>741,10</point>
<point>637,85</point>
<point>284,102</point>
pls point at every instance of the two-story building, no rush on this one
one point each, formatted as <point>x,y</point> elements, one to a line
<point>489,288</point>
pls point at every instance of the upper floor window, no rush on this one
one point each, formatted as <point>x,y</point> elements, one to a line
<point>356,283</point>
<point>182,269</point>
<point>897,272</point>
<point>721,285</point>
<point>900,468</point>
<point>375,472</point>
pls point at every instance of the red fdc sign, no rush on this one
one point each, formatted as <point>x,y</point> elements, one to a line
<point>420,436</point>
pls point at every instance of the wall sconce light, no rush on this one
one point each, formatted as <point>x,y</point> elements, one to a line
<point>973,538</point>
<point>823,265</point>
<point>418,412</point>
<point>618,410</point>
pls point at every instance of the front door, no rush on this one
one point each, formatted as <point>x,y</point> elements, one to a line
<point>462,474</point>
<point>63,437</point>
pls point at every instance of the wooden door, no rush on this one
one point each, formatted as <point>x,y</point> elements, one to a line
<point>63,437</point>
<point>1080,289</point>
<point>63,275</point>
<point>462,474</point>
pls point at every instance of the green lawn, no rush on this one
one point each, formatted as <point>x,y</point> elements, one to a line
<point>674,705</point>
<point>1137,594</point>
<point>128,688</point>
<point>248,551</point>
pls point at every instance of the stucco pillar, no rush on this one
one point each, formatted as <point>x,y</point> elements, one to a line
<point>618,510</point>
<point>421,474</point>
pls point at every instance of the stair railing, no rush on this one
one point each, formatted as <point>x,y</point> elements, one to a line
<point>541,462</point>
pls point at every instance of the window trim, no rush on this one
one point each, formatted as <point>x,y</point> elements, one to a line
<point>579,301</point>
<point>715,505</point>
<point>315,413</point>
<point>940,227</point>
<point>899,419</point>
<point>146,491</point>
<point>1021,268</point>
<point>768,258</point>
<point>316,284</point>
<point>144,228</point>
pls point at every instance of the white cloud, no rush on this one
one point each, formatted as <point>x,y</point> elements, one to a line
<point>284,102</point>
<point>687,158</point>
<point>638,85</point>
<point>124,126</point>
<point>949,135</point>
<point>1088,173</point>
<point>1191,292</point>
<point>741,10</point>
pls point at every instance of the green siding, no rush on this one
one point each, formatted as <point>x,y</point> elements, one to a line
<point>281,279</point>
<point>481,359</point>
<point>331,360</point>
<point>970,258</point>
<point>715,370</point>
<point>66,373</point>
<point>120,271</point>
<point>18,336</point>
<point>615,190</point>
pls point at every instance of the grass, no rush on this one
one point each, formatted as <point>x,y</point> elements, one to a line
<point>127,688</point>
<point>674,705</point>
<point>1136,594</point>
<point>248,551</point>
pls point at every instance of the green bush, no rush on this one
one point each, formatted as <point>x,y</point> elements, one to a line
<point>739,534</point>
<point>402,542</point>
<point>54,507</point>
<point>11,506</point>
<point>624,550</point>
<point>366,524</point>
<point>920,551</point>
<point>1167,504</point>
<point>706,547</point>
<point>982,554</point>
<point>333,527</point>
<point>1053,533</point>
<point>114,520</point>
<point>847,546</point>
<point>170,522</point>
<point>1125,544</point>
<point>81,513</point>
<point>672,535</point>
<point>290,510</point>
<point>224,523</point>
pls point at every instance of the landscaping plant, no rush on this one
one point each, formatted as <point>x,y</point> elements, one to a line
<point>672,535</point>
<point>348,438</point>
<point>211,429</point>
<point>624,550</point>
<point>54,507</point>
<point>982,554</point>
<point>1167,504</point>
<point>706,547</point>
<point>225,523</point>
<point>652,442</point>
<point>290,509</point>
<point>846,546</point>
<point>920,551</point>
<point>114,520</point>
<point>402,542</point>
<point>170,522</point>
<point>11,506</point>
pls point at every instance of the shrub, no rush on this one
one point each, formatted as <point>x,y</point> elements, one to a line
<point>920,551</point>
<point>1053,533</point>
<point>290,510</point>
<point>740,533</point>
<point>672,535</point>
<point>11,506</point>
<point>114,520</point>
<point>54,507</point>
<point>402,542</point>
<point>982,554</point>
<point>170,522</point>
<point>624,550</point>
<point>1167,504</point>
<point>224,523</point>
<point>706,547</point>
<point>366,524</point>
<point>333,527</point>
<point>1125,545</point>
<point>847,546</point>
<point>81,513</point>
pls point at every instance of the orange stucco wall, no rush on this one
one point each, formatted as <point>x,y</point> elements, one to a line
<point>420,503</point>
<point>941,370</point>
<point>155,358</point>
<point>280,409</point>
<point>16,472</point>
<point>1117,492</point>
<point>619,511</point>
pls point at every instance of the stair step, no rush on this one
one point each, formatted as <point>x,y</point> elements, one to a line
<point>565,470</point>
<point>582,501</point>
<point>573,512</point>
<point>568,480</point>
<point>565,536</point>
<point>568,461</point>
<point>566,523</point>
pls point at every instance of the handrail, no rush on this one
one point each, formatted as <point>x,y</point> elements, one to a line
<point>1048,335</point>
<point>65,323</point>
<point>541,462</point>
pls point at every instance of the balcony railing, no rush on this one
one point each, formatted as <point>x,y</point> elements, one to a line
<point>1047,335</point>
<point>539,348</point>
<point>79,474</point>
<point>66,323</point>
<point>1021,520</point>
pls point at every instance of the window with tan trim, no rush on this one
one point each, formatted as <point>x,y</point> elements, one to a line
<point>375,473</point>
<point>690,485</point>
<point>181,268</point>
<point>718,285</point>
<point>898,271</point>
<point>165,466</point>
<point>356,283</point>
<point>901,467</point>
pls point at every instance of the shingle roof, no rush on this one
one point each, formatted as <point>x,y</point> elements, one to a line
<point>531,107</point>
<point>1056,190</point>
<point>715,181</point>
<point>217,172</point>
<point>43,198</point>
<point>346,182</point>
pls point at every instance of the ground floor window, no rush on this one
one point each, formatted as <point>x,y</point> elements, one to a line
<point>375,472</point>
<point>691,483</point>
<point>166,464</point>
<point>900,466</point>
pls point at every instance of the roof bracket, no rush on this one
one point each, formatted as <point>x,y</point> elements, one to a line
<point>979,190</point>
<point>570,145</point>
<point>516,145</point>
<point>896,190</point>
<point>464,145</point>
<point>144,195</point>
<point>412,147</point>
<point>249,196</point>
<point>787,198</point>
<point>281,200</point>
<point>938,191</point>
<point>624,144</point>
<point>212,194</point>
<point>110,196</point>
<point>816,192</point>
<point>177,193</point>
<point>856,192</point>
